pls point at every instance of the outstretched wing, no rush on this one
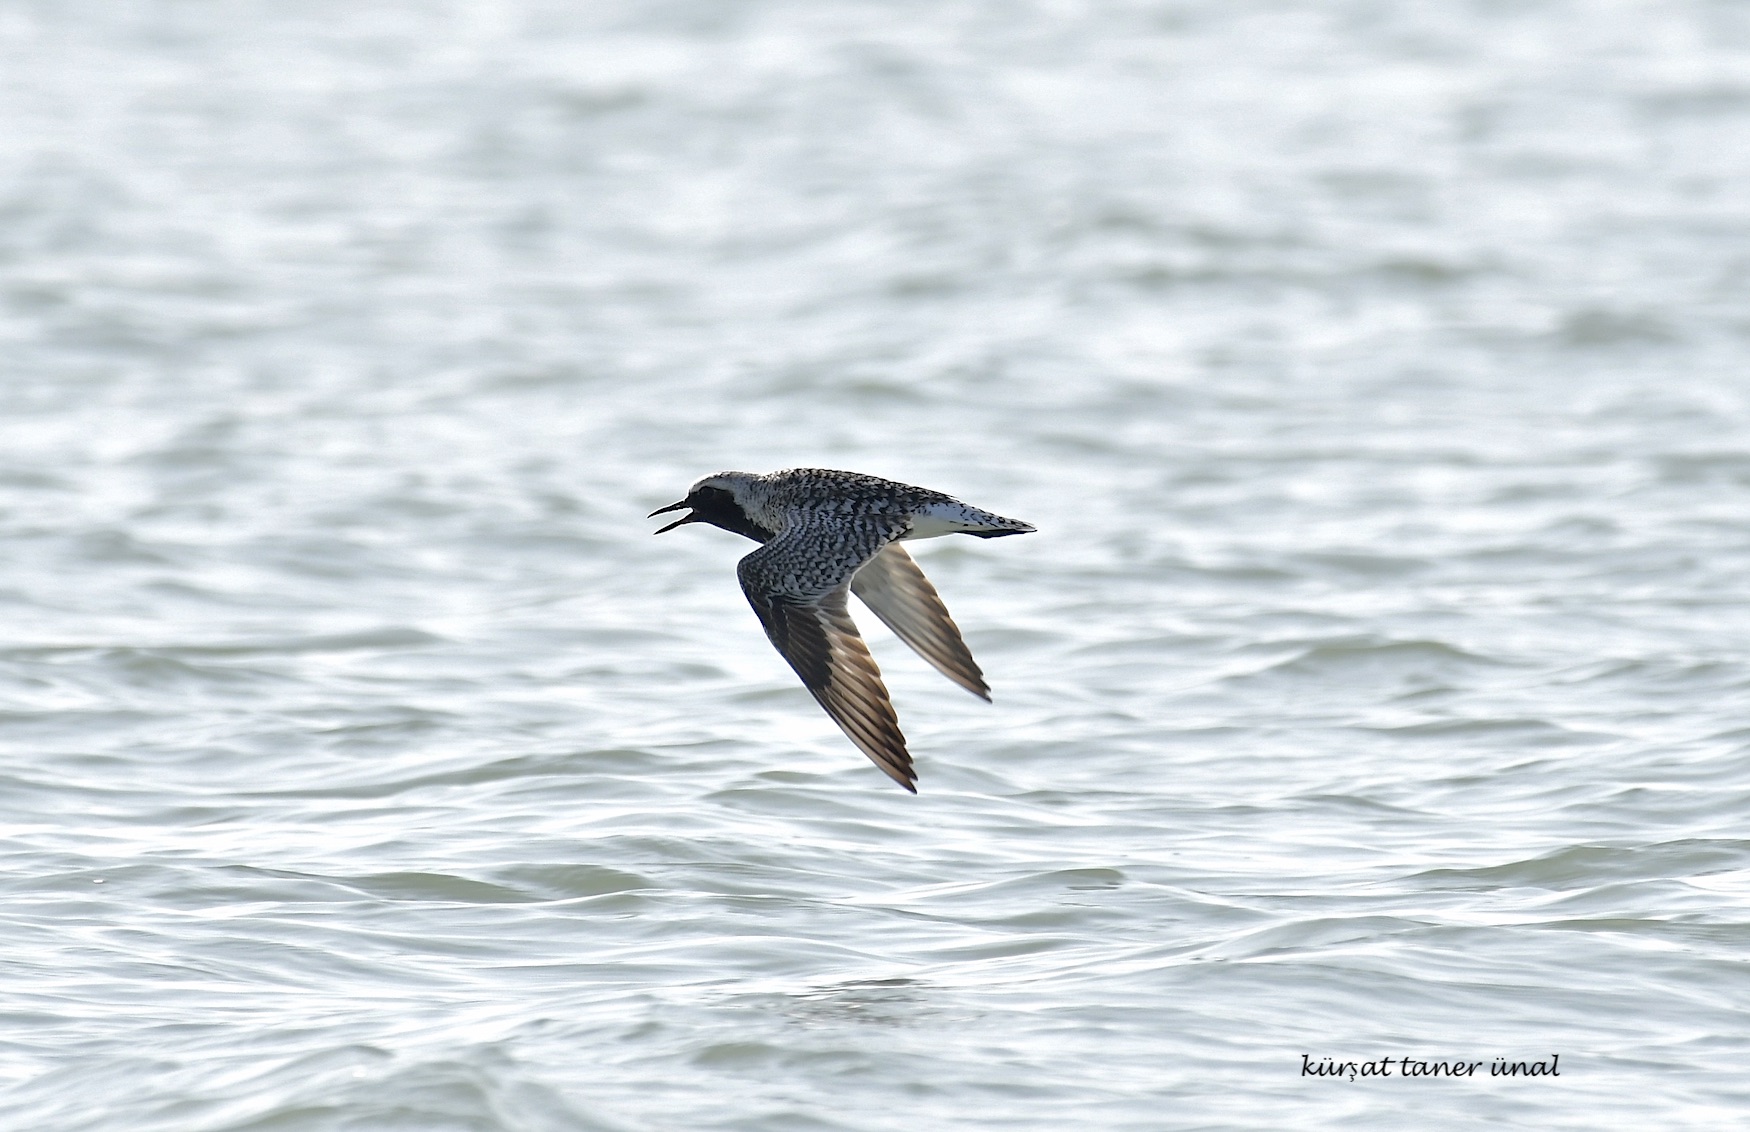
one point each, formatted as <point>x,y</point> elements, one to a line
<point>892,585</point>
<point>798,584</point>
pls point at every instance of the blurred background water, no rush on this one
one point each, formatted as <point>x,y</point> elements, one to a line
<point>1375,686</point>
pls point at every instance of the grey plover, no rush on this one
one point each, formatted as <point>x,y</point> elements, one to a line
<point>826,534</point>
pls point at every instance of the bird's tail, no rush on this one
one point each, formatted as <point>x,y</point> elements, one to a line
<point>983,524</point>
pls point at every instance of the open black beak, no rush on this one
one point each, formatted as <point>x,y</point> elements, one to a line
<point>678,522</point>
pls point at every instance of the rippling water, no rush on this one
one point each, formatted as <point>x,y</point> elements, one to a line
<point>1376,686</point>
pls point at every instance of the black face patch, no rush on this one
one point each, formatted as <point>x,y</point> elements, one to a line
<point>716,506</point>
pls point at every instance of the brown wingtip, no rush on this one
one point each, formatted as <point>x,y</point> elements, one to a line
<point>902,774</point>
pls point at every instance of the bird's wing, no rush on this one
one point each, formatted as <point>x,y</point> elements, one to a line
<point>799,591</point>
<point>891,584</point>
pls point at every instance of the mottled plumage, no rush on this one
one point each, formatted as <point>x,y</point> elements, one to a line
<point>826,534</point>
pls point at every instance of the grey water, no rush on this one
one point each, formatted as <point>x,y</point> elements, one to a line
<point>1377,685</point>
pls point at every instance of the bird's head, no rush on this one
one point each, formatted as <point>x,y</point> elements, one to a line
<point>720,500</point>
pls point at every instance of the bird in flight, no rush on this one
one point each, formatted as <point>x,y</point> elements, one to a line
<point>826,534</point>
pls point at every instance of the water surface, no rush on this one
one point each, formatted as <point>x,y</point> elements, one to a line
<point>1375,686</point>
